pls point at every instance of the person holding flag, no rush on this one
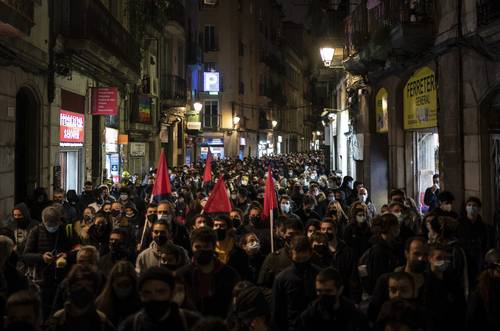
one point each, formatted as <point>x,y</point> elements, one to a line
<point>270,203</point>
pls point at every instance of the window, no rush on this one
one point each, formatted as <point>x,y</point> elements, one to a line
<point>209,67</point>
<point>210,44</point>
<point>211,114</point>
<point>242,49</point>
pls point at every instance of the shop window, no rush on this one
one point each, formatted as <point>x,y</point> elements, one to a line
<point>427,162</point>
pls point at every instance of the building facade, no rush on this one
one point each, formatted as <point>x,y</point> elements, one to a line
<point>426,97</point>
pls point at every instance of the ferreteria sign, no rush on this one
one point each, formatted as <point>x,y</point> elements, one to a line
<point>420,100</point>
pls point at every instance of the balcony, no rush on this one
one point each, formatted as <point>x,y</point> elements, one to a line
<point>94,36</point>
<point>488,11</point>
<point>176,13</point>
<point>380,29</point>
<point>173,90</point>
<point>211,122</point>
<point>18,13</point>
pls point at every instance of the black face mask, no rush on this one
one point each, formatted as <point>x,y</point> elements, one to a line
<point>301,266</point>
<point>152,218</point>
<point>328,301</point>
<point>254,219</point>
<point>221,234</point>
<point>20,326</point>
<point>157,309</point>
<point>330,236</point>
<point>81,298</point>
<point>160,240</point>
<point>203,257</point>
<point>418,267</point>
<point>116,213</point>
<point>321,250</point>
<point>236,222</point>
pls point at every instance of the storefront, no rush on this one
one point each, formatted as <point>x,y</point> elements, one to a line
<point>112,151</point>
<point>71,154</point>
<point>216,146</point>
<point>420,124</point>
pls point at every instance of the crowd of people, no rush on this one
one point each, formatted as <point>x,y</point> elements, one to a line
<point>112,259</point>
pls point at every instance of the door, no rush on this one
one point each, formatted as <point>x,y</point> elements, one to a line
<point>70,170</point>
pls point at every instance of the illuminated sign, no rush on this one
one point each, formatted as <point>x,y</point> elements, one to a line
<point>71,128</point>
<point>211,82</point>
<point>420,100</point>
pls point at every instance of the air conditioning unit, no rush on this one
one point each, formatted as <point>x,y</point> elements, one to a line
<point>210,2</point>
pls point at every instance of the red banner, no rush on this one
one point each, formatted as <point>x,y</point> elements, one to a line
<point>104,100</point>
<point>71,127</point>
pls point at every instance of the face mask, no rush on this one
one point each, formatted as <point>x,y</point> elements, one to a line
<point>203,257</point>
<point>360,219</point>
<point>123,292</point>
<point>179,297</point>
<point>52,229</point>
<point>236,222</point>
<point>330,236</point>
<point>221,234</point>
<point>328,301</point>
<point>301,266</point>
<point>115,213</point>
<point>81,298</point>
<point>129,215</point>
<point>152,218</point>
<point>124,197</point>
<point>446,207</point>
<point>290,173</point>
<point>157,309</point>
<point>285,207</point>
<point>321,250</point>
<point>398,215</point>
<point>418,266</point>
<point>253,247</point>
<point>471,210</point>
<point>441,265</point>
<point>88,218</point>
<point>363,198</point>
<point>254,219</point>
<point>160,240</point>
<point>233,196</point>
<point>331,198</point>
<point>166,217</point>
<point>22,223</point>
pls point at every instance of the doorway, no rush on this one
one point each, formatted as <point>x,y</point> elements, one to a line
<point>27,150</point>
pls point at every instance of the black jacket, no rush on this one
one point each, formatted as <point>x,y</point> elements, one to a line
<point>381,260</point>
<point>178,320</point>
<point>482,316</point>
<point>293,290</point>
<point>273,264</point>
<point>320,318</point>
<point>211,293</point>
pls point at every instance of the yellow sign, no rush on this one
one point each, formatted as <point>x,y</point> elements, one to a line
<point>420,100</point>
<point>381,117</point>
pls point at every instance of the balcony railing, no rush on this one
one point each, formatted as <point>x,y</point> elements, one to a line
<point>488,11</point>
<point>18,13</point>
<point>90,20</point>
<point>370,16</point>
<point>173,88</point>
<point>211,122</point>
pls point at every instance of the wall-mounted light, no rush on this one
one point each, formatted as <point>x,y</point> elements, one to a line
<point>274,123</point>
<point>198,106</point>
<point>236,120</point>
<point>327,54</point>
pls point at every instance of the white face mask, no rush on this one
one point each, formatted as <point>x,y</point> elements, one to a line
<point>472,210</point>
<point>123,197</point>
<point>398,215</point>
<point>285,207</point>
<point>253,247</point>
<point>360,219</point>
<point>363,197</point>
<point>441,265</point>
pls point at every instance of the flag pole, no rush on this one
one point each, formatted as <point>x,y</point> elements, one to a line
<point>271,222</point>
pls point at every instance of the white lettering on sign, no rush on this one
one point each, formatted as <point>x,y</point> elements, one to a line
<point>71,121</point>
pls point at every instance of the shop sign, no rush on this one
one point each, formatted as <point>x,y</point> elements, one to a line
<point>137,149</point>
<point>111,140</point>
<point>71,126</point>
<point>211,81</point>
<point>164,134</point>
<point>420,100</point>
<point>104,100</point>
<point>123,139</point>
<point>381,117</point>
<point>193,126</point>
<point>214,141</point>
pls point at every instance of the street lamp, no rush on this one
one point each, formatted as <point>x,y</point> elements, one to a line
<point>274,123</point>
<point>236,120</point>
<point>327,54</point>
<point>198,106</point>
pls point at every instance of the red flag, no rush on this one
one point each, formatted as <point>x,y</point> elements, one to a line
<point>218,201</point>
<point>207,175</point>
<point>162,183</point>
<point>270,200</point>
